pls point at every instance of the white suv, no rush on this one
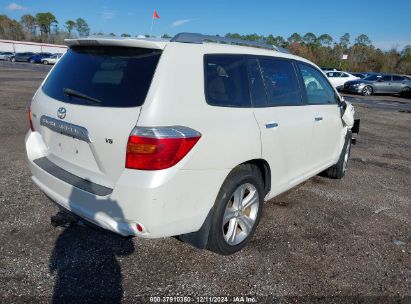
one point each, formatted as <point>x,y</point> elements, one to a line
<point>186,137</point>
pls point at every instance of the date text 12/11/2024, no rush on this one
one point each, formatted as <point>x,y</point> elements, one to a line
<point>203,299</point>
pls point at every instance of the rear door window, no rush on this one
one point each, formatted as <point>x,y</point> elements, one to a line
<point>226,81</point>
<point>317,88</point>
<point>281,82</point>
<point>110,76</point>
<point>398,78</point>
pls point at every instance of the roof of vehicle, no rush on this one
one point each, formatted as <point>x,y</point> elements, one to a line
<point>210,43</point>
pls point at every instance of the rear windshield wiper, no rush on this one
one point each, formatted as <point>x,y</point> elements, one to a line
<point>71,92</point>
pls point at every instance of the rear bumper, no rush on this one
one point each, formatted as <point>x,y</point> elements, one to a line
<point>165,202</point>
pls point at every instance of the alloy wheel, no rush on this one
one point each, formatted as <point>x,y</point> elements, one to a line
<point>240,214</point>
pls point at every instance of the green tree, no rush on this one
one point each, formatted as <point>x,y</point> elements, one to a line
<point>325,40</point>
<point>165,36</point>
<point>295,38</point>
<point>363,40</point>
<point>345,41</point>
<point>44,21</point>
<point>309,38</point>
<point>70,25</point>
<point>82,27</point>
<point>125,35</point>
<point>112,34</point>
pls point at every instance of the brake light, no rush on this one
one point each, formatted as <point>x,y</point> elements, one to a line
<point>31,120</point>
<point>159,147</point>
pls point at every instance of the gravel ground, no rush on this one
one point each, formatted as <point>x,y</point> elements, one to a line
<point>325,241</point>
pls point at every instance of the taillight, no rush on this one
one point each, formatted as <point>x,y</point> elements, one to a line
<point>31,119</point>
<point>159,147</point>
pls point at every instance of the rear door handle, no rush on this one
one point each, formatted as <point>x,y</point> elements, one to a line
<point>271,125</point>
<point>318,118</point>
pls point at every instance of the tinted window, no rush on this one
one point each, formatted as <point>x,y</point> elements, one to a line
<point>257,84</point>
<point>226,81</point>
<point>116,76</point>
<point>318,90</point>
<point>280,82</point>
<point>372,77</point>
<point>398,78</point>
<point>344,75</point>
<point>386,78</point>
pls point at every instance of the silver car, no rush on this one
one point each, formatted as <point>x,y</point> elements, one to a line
<point>5,55</point>
<point>380,83</point>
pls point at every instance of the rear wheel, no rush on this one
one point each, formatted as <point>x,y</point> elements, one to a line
<point>338,170</point>
<point>406,92</point>
<point>32,61</point>
<point>367,91</point>
<point>237,210</point>
<point>45,62</point>
<point>13,59</point>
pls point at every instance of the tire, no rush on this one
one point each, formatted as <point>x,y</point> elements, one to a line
<point>406,92</point>
<point>367,90</point>
<point>45,62</point>
<point>13,59</point>
<point>32,61</point>
<point>235,220</point>
<point>340,168</point>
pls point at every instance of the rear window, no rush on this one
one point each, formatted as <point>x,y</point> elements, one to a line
<point>106,76</point>
<point>226,81</point>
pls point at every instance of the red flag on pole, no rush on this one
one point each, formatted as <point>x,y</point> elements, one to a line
<point>155,15</point>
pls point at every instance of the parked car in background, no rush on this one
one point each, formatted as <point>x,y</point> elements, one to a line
<point>36,58</point>
<point>52,59</point>
<point>5,55</point>
<point>380,83</point>
<point>330,69</point>
<point>338,79</point>
<point>21,57</point>
<point>176,138</point>
<point>359,75</point>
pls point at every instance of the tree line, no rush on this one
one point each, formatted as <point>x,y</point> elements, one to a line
<point>42,27</point>
<point>323,50</point>
<point>363,56</point>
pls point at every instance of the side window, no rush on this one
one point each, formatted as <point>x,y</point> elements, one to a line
<point>257,84</point>
<point>226,81</point>
<point>281,82</point>
<point>344,75</point>
<point>398,78</point>
<point>318,90</point>
<point>386,78</point>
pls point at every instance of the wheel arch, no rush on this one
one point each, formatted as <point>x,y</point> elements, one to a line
<point>199,239</point>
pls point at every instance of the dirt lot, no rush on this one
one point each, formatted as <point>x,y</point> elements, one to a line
<point>324,241</point>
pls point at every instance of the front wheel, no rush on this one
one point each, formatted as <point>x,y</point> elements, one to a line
<point>13,60</point>
<point>338,170</point>
<point>237,211</point>
<point>367,91</point>
<point>406,92</point>
<point>45,62</point>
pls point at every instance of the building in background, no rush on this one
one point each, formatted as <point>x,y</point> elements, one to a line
<point>35,47</point>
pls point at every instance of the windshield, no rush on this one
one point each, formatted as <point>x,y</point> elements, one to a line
<point>116,76</point>
<point>372,77</point>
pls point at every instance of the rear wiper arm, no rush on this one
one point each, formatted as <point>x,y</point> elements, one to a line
<point>71,92</point>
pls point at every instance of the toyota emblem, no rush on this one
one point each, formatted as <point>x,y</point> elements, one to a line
<point>61,113</point>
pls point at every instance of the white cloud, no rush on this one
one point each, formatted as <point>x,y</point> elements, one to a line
<point>180,22</point>
<point>107,15</point>
<point>15,7</point>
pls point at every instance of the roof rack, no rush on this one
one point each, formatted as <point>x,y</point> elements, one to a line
<point>200,38</point>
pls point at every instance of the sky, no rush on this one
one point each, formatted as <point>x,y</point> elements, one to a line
<point>387,23</point>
